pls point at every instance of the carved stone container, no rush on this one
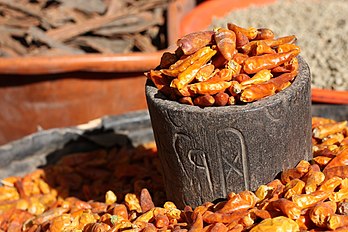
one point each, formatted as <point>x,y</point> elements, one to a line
<point>208,152</point>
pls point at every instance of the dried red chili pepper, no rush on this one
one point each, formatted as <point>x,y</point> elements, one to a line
<point>241,39</point>
<point>250,33</point>
<point>186,100</point>
<point>209,87</point>
<point>257,91</point>
<point>189,74</point>
<point>267,61</point>
<point>264,33</point>
<point>226,42</point>
<point>205,100</point>
<point>239,58</point>
<point>194,41</point>
<point>221,99</point>
<point>321,212</point>
<point>205,72</point>
<point>168,59</point>
<point>287,207</point>
<point>211,217</point>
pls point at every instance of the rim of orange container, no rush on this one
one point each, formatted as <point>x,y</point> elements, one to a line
<point>201,17</point>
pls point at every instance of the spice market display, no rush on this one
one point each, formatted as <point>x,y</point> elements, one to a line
<point>227,66</point>
<point>123,191</point>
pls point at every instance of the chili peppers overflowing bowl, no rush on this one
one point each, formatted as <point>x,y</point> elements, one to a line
<point>227,66</point>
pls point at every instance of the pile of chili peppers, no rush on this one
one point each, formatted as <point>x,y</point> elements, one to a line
<point>227,66</point>
<point>122,190</point>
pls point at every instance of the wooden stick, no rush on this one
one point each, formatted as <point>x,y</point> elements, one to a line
<point>40,35</point>
<point>24,9</point>
<point>70,31</point>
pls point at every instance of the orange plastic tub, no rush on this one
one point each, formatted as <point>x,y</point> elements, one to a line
<point>49,92</point>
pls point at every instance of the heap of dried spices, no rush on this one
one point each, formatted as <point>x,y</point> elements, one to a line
<point>227,66</point>
<point>313,196</point>
<point>60,27</point>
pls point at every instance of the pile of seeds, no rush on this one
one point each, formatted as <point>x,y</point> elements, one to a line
<point>313,196</point>
<point>320,26</point>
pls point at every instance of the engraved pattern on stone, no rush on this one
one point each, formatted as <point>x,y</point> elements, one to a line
<point>233,158</point>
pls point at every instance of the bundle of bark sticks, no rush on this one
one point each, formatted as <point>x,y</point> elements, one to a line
<point>59,27</point>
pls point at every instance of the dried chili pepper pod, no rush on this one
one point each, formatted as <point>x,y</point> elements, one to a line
<point>316,121</point>
<point>207,87</point>
<point>322,161</point>
<point>268,61</point>
<point>287,207</point>
<point>287,47</point>
<point>336,221</point>
<point>220,75</point>
<point>260,77</point>
<point>221,99</point>
<point>239,58</point>
<point>161,81</point>
<point>218,227</point>
<point>241,77</point>
<point>247,48</point>
<point>294,187</point>
<point>321,212</point>
<point>257,91</point>
<point>186,100</point>
<point>281,40</point>
<point>262,48</point>
<point>280,223</point>
<point>205,100</point>
<point>184,62</point>
<point>197,225</point>
<point>235,67</point>
<point>205,72</point>
<point>250,33</point>
<point>264,192</point>
<point>219,60</point>
<point>241,201</point>
<point>280,69</point>
<point>323,131</point>
<point>304,201</point>
<point>226,42</point>
<point>340,171</point>
<point>340,160</point>
<point>215,217</point>
<point>189,74</point>
<point>168,59</point>
<point>313,179</point>
<point>192,42</point>
<point>241,39</point>
<point>264,33</point>
<point>282,81</point>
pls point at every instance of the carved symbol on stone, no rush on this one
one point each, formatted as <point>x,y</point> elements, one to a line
<point>233,159</point>
<point>193,162</point>
<point>199,160</point>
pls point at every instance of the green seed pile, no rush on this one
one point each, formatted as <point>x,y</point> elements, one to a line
<point>321,27</point>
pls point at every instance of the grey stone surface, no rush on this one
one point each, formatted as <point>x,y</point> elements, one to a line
<point>208,152</point>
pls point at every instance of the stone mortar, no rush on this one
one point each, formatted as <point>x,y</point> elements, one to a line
<point>208,152</point>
